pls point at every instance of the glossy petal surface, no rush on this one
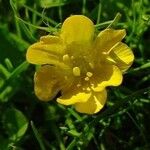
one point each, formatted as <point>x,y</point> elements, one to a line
<point>109,76</point>
<point>122,55</point>
<point>45,83</point>
<point>47,51</point>
<point>77,28</point>
<point>107,38</point>
<point>73,96</point>
<point>94,104</point>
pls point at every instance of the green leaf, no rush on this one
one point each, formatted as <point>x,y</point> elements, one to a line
<point>15,124</point>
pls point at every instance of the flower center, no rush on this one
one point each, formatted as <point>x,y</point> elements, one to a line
<point>81,61</point>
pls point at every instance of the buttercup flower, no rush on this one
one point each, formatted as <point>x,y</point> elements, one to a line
<point>79,64</point>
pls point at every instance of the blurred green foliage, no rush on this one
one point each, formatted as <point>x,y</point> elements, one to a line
<point>27,123</point>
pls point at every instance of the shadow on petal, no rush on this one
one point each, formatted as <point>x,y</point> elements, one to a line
<point>109,75</point>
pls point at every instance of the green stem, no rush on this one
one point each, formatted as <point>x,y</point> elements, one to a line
<point>39,14</point>
<point>9,64</point>
<point>76,115</point>
<point>99,12</point>
<point>101,25</point>
<point>18,70</point>
<point>115,21</point>
<point>72,144</point>
<point>14,8</point>
<point>60,12</point>
<point>84,7</point>
<point>138,127</point>
<point>37,135</point>
<point>58,136</point>
<point>145,66</point>
<point>47,29</point>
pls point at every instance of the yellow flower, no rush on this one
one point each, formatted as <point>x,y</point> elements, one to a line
<point>79,64</point>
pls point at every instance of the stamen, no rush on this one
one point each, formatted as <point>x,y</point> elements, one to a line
<point>78,85</point>
<point>72,57</point>
<point>76,71</point>
<point>86,78</point>
<point>91,65</point>
<point>66,58</point>
<point>89,74</point>
<point>66,78</point>
<point>105,53</point>
<point>88,89</point>
<point>83,89</point>
<point>92,84</point>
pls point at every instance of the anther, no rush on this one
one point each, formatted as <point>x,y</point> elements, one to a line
<point>86,78</point>
<point>105,53</point>
<point>66,57</point>
<point>92,84</point>
<point>78,85</point>
<point>66,78</point>
<point>91,65</point>
<point>72,57</point>
<point>76,71</point>
<point>88,89</point>
<point>89,74</point>
<point>83,89</point>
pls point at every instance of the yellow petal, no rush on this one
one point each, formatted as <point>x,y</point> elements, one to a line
<point>122,55</point>
<point>77,28</point>
<point>47,51</point>
<point>94,104</point>
<point>45,83</point>
<point>73,96</point>
<point>109,75</point>
<point>50,39</point>
<point>108,38</point>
